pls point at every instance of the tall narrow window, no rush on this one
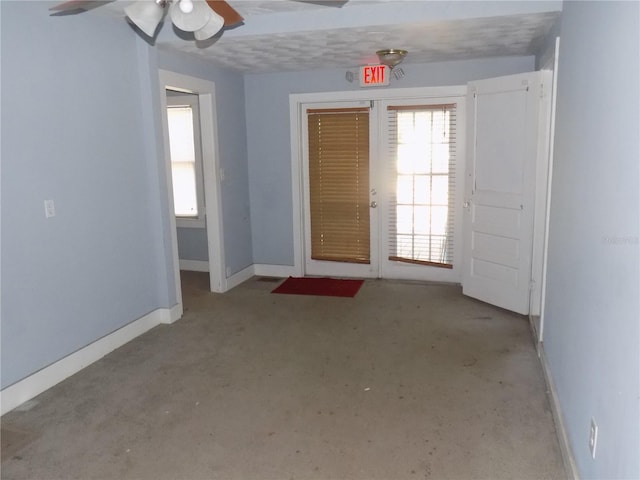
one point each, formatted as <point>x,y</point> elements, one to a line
<point>339,184</point>
<point>185,149</point>
<point>422,143</point>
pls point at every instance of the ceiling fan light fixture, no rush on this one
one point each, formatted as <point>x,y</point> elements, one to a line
<point>186,6</point>
<point>146,15</point>
<point>213,26</point>
<point>192,20</point>
<point>391,56</point>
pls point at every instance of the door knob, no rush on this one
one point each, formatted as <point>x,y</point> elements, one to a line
<point>373,204</point>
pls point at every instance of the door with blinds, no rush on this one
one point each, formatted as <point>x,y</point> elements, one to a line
<point>341,233</point>
<point>380,189</point>
<point>421,222</point>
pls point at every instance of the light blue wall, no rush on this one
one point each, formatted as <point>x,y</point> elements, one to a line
<point>547,50</point>
<point>267,106</point>
<point>192,244</point>
<point>232,152</point>
<point>592,314</point>
<point>159,206</point>
<point>73,130</point>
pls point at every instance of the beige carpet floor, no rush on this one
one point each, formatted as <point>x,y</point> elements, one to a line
<point>404,381</point>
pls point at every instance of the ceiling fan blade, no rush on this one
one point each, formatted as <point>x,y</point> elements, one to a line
<point>326,3</point>
<point>226,11</point>
<point>75,6</point>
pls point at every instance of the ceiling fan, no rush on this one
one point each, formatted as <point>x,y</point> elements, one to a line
<point>204,18</point>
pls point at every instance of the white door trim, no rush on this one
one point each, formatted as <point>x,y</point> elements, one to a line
<point>541,193</point>
<point>545,240</point>
<point>209,136</point>
<point>296,117</point>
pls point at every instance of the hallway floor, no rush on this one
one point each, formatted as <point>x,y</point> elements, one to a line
<point>404,381</point>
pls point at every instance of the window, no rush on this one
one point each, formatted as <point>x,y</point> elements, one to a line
<point>186,158</point>
<point>422,142</point>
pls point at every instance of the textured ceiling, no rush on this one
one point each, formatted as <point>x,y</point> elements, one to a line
<point>249,8</point>
<point>287,35</point>
<point>347,47</point>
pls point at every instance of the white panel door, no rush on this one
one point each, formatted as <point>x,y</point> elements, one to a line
<point>500,189</point>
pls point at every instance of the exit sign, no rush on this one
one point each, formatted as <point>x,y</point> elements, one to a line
<point>374,75</point>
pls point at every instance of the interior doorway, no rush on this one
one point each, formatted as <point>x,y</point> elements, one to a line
<point>185,148</point>
<point>204,90</point>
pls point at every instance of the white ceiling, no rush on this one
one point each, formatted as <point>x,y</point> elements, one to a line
<point>287,35</point>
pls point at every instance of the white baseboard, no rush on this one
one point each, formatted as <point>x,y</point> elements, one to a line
<point>534,323</point>
<point>42,380</point>
<point>194,265</point>
<point>281,271</point>
<point>240,277</point>
<point>263,270</point>
<point>170,315</point>
<point>558,418</point>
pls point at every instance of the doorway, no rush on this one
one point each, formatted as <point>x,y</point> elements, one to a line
<point>183,114</point>
<point>205,92</point>
<point>379,187</point>
<point>435,212</point>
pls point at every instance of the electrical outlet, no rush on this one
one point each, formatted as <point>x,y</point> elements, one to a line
<point>49,209</point>
<point>593,438</point>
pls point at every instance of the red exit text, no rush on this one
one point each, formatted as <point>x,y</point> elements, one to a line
<point>374,75</point>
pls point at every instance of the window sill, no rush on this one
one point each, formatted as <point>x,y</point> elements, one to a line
<point>182,222</point>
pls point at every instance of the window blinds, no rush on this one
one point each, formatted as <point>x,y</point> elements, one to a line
<point>339,184</point>
<point>422,152</point>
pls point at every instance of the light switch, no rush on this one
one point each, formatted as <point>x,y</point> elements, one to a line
<point>49,209</point>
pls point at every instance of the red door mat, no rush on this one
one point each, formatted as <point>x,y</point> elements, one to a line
<point>330,287</point>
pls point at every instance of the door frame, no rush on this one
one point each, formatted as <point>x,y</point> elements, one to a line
<point>212,195</point>
<point>551,70</point>
<point>297,118</point>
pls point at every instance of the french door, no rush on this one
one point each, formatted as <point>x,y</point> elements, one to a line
<point>420,216</point>
<point>341,225</point>
<point>432,211</point>
<point>380,196</point>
